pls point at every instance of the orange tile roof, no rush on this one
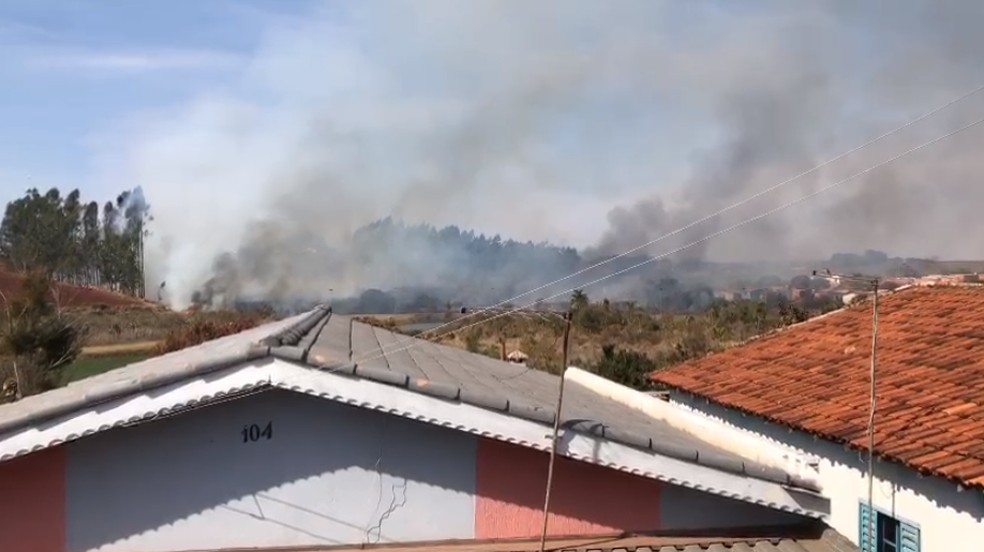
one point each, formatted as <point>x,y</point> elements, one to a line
<point>815,377</point>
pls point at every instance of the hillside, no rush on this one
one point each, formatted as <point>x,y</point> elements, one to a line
<point>67,295</point>
<point>56,333</point>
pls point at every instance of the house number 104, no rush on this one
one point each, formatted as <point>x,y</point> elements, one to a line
<point>253,432</point>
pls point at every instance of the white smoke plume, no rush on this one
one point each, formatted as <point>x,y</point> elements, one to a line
<point>594,124</point>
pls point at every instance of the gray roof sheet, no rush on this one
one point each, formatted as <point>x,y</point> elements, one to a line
<point>339,344</point>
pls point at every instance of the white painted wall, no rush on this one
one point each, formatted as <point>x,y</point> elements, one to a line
<point>945,516</point>
<point>331,474</point>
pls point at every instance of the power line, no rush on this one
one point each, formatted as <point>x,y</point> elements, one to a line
<point>707,237</point>
<point>726,209</point>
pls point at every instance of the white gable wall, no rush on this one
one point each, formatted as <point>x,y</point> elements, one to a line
<point>328,474</point>
<point>347,455</point>
<point>945,515</point>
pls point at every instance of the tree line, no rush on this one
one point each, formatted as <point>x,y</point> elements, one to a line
<point>72,241</point>
<point>454,264</point>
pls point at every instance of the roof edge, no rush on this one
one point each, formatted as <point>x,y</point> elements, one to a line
<point>123,389</point>
<point>826,436</point>
<point>290,335</point>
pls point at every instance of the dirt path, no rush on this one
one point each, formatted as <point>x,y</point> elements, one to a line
<point>118,348</point>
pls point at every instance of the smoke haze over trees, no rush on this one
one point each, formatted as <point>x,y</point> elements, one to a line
<point>596,125</point>
<point>66,239</point>
<point>419,266</point>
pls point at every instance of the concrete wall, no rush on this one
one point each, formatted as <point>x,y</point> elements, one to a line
<point>584,500</point>
<point>331,474</point>
<point>32,503</point>
<point>328,474</point>
<point>945,515</point>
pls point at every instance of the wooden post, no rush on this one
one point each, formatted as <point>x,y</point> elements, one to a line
<point>556,431</point>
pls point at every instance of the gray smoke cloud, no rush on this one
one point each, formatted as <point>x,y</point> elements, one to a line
<point>835,80</point>
<point>601,125</point>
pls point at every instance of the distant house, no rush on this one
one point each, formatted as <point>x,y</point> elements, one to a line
<point>318,433</point>
<point>517,357</point>
<point>758,294</point>
<point>807,388</point>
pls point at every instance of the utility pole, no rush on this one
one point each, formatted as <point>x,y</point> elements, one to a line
<point>556,430</point>
<point>871,417</point>
<point>872,401</point>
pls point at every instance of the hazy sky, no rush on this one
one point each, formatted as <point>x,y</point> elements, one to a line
<point>89,84</point>
<point>589,123</point>
<point>72,69</point>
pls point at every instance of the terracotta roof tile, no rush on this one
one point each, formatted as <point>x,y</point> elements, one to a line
<point>815,377</point>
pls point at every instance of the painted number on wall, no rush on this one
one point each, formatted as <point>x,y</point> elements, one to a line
<point>254,432</point>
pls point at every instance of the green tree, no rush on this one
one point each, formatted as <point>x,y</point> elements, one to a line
<point>136,215</point>
<point>626,367</point>
<point>91,244</point>
<point>70,220</point>
<point>35,234</point>
<point>579,300</point>
<point>110,250</point>
<point>64,238</point>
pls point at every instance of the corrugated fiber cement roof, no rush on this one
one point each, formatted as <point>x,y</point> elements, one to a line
<point>340,344</point>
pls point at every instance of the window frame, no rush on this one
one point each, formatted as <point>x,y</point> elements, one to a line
<point>905,528</point>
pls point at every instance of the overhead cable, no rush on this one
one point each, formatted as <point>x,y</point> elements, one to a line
<point>699,241</point>
<point>720,212</point>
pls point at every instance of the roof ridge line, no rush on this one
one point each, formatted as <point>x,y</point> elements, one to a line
<point>294,333</point>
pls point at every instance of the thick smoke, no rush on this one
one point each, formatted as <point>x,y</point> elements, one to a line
<point>830,83</point>
<point>534,120</point>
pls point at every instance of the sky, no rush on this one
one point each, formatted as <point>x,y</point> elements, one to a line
<point>79,74</point>
<point>71,69</point>
<point>600,125</point>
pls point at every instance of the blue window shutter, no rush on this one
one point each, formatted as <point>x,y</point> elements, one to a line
<point>864,543</point>
<point>908,537</point>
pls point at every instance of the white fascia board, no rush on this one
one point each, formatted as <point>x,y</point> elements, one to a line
<point>136,408</point>
<point>397,401</point>
<point>488,423</point>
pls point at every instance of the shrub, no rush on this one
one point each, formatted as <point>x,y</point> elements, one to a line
<point>202,330</point>
<point>38,338</point>
<point>625,366</point>
<point>473,340</point>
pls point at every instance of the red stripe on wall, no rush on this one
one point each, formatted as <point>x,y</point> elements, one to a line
<point>585,500</point>
<point>32,503</point>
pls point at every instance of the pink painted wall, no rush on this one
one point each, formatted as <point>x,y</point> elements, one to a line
<point>586,499</point>
<point>32,502</point>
